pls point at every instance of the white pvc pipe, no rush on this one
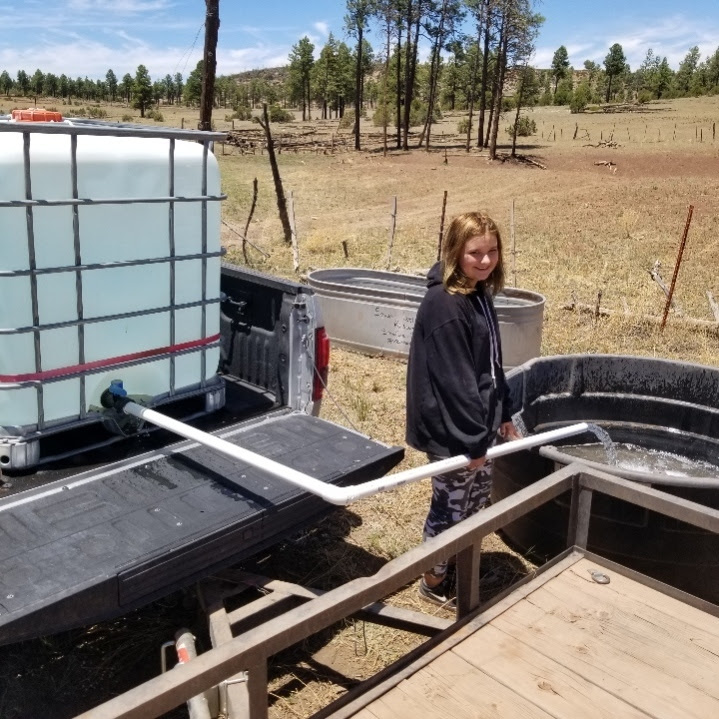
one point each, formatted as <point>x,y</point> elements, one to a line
<point>330,492</point>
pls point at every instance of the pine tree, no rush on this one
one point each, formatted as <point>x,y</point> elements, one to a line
<point>126,87</point>
<point>301,61</point>
<point>614,65</point>
<point>560,65</point>
<point>111,80</point>
<point>142,90</point>
<point>6,83</point>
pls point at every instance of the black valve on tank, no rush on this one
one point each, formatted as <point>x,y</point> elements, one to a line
<point>113,399</point>
<point>115,396</point>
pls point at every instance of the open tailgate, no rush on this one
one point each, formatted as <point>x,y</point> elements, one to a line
<point>97,544</point>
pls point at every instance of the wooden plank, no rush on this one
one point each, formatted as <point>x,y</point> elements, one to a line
<point>649,597</point>
<point>539,679</point>
<point>652,637</point>
<point>362,695</point>
<point>650,583</point>
<point>366,714</point>
<point>451,683</point>
<point>403,705</point>
<point>556,633</point>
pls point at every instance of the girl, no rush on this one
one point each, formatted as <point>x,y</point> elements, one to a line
<point>455,383</point>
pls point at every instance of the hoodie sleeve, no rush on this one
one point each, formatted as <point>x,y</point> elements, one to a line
<point>463,404</point>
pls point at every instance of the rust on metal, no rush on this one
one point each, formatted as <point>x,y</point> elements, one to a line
<point>676,266</point>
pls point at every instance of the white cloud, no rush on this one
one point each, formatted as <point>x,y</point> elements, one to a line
<point>322,27</point>
<point>93,59</point>
<point>670,36</point>
<point>78,56</point>
<point>120,7</point>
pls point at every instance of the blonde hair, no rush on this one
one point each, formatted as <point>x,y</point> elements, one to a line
<point>463,228</point>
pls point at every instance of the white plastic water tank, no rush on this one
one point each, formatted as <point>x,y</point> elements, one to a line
<point>109,267</point>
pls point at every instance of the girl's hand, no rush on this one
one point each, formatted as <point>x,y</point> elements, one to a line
<point>477,462</point>
<point>508,431</point>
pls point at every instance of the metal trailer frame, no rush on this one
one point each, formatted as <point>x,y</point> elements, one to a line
<point>238,664</point>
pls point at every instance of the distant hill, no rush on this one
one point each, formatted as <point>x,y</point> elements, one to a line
<point>271,75</point>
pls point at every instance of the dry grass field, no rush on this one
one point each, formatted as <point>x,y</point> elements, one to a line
<point>580,229</point>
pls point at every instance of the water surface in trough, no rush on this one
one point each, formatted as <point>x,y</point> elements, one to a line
<point>642,459</point>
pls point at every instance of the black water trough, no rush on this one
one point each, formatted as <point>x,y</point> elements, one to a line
<point>659,405</point>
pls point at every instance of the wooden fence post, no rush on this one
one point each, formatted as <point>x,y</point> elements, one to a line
<point>392,230</point>
<point>293,234</point>
<point>441,226</point>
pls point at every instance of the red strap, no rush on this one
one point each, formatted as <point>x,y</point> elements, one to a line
<point>109,362</point>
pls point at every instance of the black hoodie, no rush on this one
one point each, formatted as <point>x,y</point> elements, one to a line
<point>454,404</point>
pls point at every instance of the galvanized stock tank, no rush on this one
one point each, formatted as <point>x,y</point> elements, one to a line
<point>373,312</point>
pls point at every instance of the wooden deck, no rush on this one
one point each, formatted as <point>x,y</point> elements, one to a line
<point>570,648</point>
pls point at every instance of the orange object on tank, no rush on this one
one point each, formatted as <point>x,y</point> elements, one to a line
<point>36,115</point>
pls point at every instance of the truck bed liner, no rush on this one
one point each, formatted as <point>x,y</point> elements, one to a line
<point>95,545</point>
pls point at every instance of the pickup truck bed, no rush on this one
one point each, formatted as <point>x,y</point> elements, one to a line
<point>89,546</point>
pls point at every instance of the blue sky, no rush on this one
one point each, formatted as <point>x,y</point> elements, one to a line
<point>86,37</point>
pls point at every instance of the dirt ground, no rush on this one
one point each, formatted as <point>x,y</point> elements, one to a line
<point>577,229</point>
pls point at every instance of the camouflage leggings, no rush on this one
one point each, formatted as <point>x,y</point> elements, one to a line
<point>456,495</point>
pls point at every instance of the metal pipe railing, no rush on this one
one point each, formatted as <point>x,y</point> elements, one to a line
<point>329,492</point>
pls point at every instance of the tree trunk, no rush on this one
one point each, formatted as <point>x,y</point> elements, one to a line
<point>385,110</point>
<point>502,60</point>
<point>412,74</point>
<point>209,65</point>
<point>516,117</point>
<point>473,84</point>
<point>279,190</point>
<point>483,88</point>
<point>309,97</point>
<point>430,101</point>
<point>399,87</point>
<point>407,78</point>
<point>434,77</point>
<point>358,88</point>
<point>492,106</point>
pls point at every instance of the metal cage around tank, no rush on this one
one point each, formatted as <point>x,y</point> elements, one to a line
<point>171,161</point>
